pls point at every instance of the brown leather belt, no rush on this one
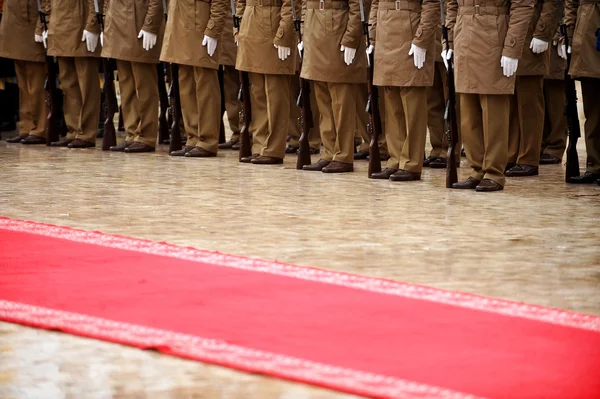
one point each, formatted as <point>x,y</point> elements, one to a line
<point>264,3</point>
<point>400,5</point>
<point>327,5</point>
<point>482,10</point>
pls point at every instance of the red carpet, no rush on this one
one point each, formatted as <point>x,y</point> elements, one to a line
<point>355,334</point>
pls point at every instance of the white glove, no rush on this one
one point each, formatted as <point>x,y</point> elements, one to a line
<point>90,39</point>
<point>369,51</point>
<point>102,39</point>
<point>349,54</point>
<point>300,48</point>
<point>149,39</point>
<point>538,46</point>
<point>509,66</point>
<point>447,56</point>
<point>562,51</point>
<point>39,39</point>
<point>210,44</point>
<point>419,55</point>
<point>283,52</point>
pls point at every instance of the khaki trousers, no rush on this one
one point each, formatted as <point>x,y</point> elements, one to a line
<point>526,121</point>
<point>138,82</point>
<point>200,98</point>
<point>80,84</point>
<point>406,126</point>
<point>314,137</point>
<point>33,111</point>
<point>231,83</point>
<point>555,123</point>
<point>270,99</point>
<point>590,93</point>
<point>366,140</point>
<point>337,107</point>
<point>436,105</point>
<point>485,121</point>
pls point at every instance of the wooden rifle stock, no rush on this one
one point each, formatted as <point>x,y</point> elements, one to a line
<point>245,116</point>
<point>163,124</point>
<point>374,127</point>
<point>450,117</point>
<point>573,127</point>
<point>50,86</point>
<point>175,143</point>
<point>110,98</point>
<point>223,109</point>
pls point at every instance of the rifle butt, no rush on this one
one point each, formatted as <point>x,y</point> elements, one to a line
<point>451,169</point>
<point>303,152</point>
<point>110,135</point>
<point>374,157</point>
<point>572,164</point>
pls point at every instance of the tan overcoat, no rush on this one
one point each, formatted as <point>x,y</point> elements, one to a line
<point>264,24</point>
<point>188,22</point>
<point>68,19</point>
<point>557,64</point>
<point>583,17</point>
<point>546,15</point>
<point>17,31</point>
<point>227,47</point>
<point>398,24</point>
<point>324,32</point>
<point>481,36</point>
<point>123,21</point>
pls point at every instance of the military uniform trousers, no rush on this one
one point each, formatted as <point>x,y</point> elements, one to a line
<point>80,84</point>
<point>314,136</point>
<point>138,82</point>
<point>270,99</point>
<point>363,119</point>
<point>485,122</point>
<point>33,112</point>
<point>555,123</point>
<point>337,107</point>
<point>590,93</point>
<point>200,98</point>
<point>406,126</point>
<point>436,106</point>
<point>526,121</point>
<point>231,87</point>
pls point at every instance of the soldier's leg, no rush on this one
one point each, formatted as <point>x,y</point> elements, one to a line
<point>362,120</point>
<point>436,106</point>
<point>259,125</point>
<point>232,104</point>
<point>295,112</point>
<point>590,93</point>
<point>36,76</point>
<point>277,88</point>
<point>72,101</point>
<point>25,111</point>
<point>471,122</point>
<point>314,137</point>
<point>343,102</point>
<point>87,74</point>
<point>531,114</point>
<point>325,121</point>
<point>555,98</point>
<point>395,131</point>
<point>130,106</point>
<point>496,121</point>
<point>208,99</point>
<point>414,104</point>
<point>189,106</point>
<point>146,85</point>
<point>514,135</point>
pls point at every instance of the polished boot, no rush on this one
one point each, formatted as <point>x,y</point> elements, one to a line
<point>199,152</point>
<point>229,144</point>
<point>587,178</point>
<point>121,147</point>
<point>439,163</point>
<point>522,171</point>
<point>182,152</point>
<point>61,143</point>
<point>78,143</point>
<point>470,184</point>
<point>547,159</point>
<point>32,140</point>
<point>384,174</point>
<point>361,155</point>
<point>427,161</point>
<point>405,175</point>
<point>488,185</point>
<point>17,138</point>
<point>317,167</point>
<point>137,147</point>
<point>236,146</point>
<point>338,167</point>
<point>250,158</point>
<point>315,151</point>
<point>265,160</point>
<point>291,149</point>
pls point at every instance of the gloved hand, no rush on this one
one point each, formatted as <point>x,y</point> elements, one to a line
<point>369,51</point>
<point>90,39</point>
<point>149,39</point>
<point>349,54</point>
<point>283,52</point>
<point>102,39</point>
<point>39,39</point>
<point>419,55</point>
<point>562,51</point>
<point>447,56</point>
<point>300,48</point>
<point>509,66</point>
<point>45,38</point>
<point>210,44</point>
<point>538,46</point>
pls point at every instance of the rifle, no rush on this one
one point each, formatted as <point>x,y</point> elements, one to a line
<point>50,86</point>
<point>303,101</point>
<point>163,97</point>
<point>173,69</point>
<point>244,97</point>
<point>450,113</point>
<point>374,126</point>
<point>220,73</point>
<point>110,135</point>
<point>573,127</point>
